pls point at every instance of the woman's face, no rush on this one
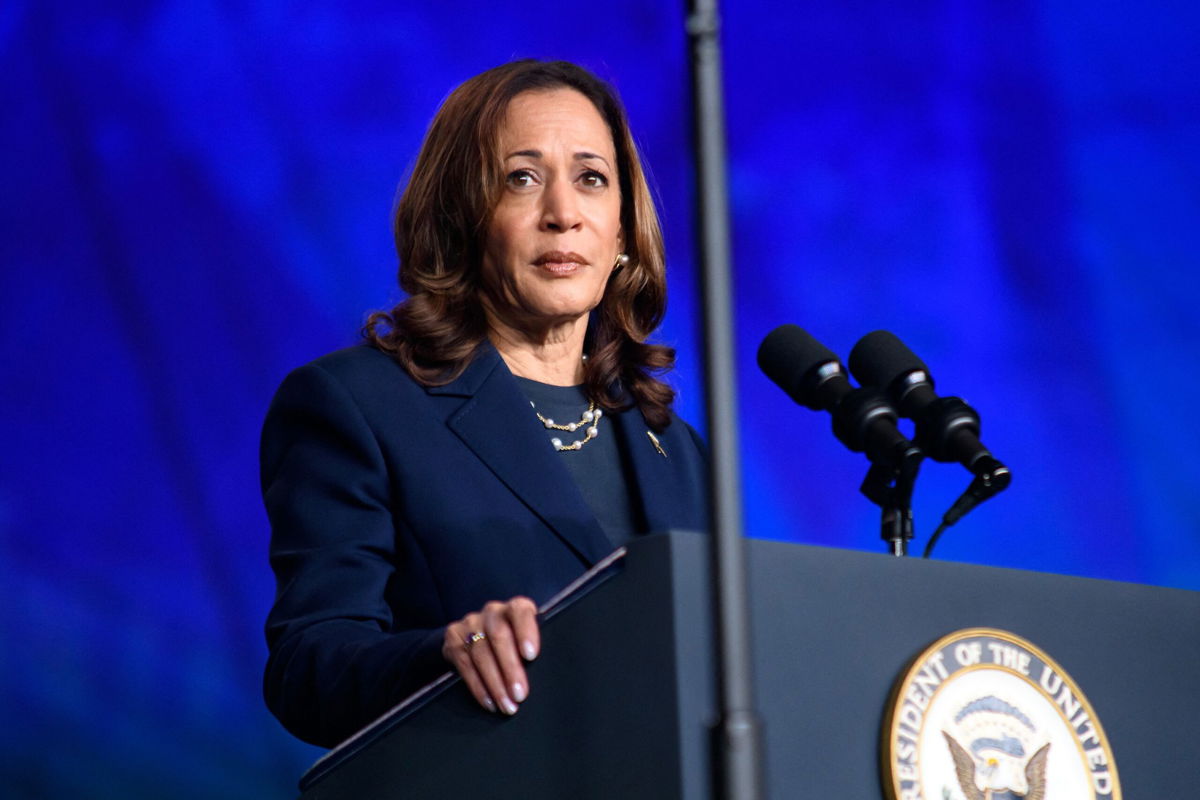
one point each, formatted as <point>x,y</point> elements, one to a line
<point>556,230</point>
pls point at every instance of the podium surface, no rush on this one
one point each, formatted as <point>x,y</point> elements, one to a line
<point>623,694</point>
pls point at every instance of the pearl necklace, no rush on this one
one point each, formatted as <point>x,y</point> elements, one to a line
<point>590,418</point>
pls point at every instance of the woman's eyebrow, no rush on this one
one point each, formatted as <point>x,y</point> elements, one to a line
<point>584,156</point>
<point>581,156</point>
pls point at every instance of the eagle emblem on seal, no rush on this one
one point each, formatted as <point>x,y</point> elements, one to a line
<point>993,763</point>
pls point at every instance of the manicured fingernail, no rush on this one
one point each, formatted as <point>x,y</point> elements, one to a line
<point>519,693</point>
<point>509,706</point>
<point>528,651</point>
<point>489,705</point>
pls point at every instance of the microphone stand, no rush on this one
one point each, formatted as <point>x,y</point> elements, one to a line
<point>890,486</point>
<point>737,732</point>
<point>894,460</point>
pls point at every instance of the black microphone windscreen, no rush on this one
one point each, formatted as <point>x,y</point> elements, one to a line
<point>787,355</point>
<point>880,358</point>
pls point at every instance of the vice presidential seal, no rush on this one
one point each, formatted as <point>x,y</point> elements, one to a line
<point>982,714</point>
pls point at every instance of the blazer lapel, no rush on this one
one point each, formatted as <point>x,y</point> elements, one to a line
<point>497,424</point>
<point>667,497</point>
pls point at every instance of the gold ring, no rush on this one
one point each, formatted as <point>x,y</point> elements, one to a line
<point>477,636</point>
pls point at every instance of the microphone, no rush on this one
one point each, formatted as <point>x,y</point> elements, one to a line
<point>812,375</point>
<point>947,428</point>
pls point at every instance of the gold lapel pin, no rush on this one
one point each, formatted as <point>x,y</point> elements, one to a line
<point>657,446</point>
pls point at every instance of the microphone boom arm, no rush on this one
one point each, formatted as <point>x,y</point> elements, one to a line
<point>991,478</point>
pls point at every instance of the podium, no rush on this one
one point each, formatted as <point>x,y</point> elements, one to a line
<point>623,693</point>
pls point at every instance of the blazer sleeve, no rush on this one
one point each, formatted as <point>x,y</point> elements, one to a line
<point>335,661</point>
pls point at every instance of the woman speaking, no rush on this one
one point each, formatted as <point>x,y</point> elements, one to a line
<point>498,432</point>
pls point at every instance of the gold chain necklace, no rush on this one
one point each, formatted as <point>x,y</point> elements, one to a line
<point>590,419</point>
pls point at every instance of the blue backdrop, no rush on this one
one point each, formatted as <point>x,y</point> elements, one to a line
<point>197,197</point>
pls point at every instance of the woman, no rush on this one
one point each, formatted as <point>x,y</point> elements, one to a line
<point>420,507</point>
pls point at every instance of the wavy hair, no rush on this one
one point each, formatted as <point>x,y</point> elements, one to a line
<point>441,221</point>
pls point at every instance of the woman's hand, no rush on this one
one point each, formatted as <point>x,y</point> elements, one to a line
<point>489,648</point>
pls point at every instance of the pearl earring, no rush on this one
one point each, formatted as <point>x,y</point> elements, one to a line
<point>622,260</point>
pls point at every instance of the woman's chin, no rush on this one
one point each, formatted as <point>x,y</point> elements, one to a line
<point>559,309</point>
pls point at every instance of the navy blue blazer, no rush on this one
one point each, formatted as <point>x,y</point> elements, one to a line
<point>396,509</point>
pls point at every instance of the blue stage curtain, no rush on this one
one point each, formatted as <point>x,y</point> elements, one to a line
<point>197,200</point>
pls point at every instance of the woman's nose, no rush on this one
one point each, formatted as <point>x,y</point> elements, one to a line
<point>560,207</point>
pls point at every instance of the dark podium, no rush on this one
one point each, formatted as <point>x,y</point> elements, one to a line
<point>623,693</point>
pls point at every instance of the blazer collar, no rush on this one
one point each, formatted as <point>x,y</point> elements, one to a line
<point>497,424</point>
<point>485,362</point>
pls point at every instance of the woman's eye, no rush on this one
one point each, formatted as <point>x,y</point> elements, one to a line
<point>520,178</point>
<point>593,179</point>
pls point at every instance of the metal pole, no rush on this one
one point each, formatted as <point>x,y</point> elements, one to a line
<point>737,731</point>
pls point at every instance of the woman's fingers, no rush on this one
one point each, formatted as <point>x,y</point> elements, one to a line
<point>477,689</point>
<point>455,649</point>
<point>523,614</point>
<point>503,641</point>
<point>488,649</point>
<point>483,659</point>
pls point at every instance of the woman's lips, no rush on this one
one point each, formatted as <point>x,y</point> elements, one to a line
<point>560,267</point>
<point>557,262</point>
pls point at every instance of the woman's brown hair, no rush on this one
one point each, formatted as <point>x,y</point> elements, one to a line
<point>441,221</point>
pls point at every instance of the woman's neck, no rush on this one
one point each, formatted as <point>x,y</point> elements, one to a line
<point>552,355</point>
